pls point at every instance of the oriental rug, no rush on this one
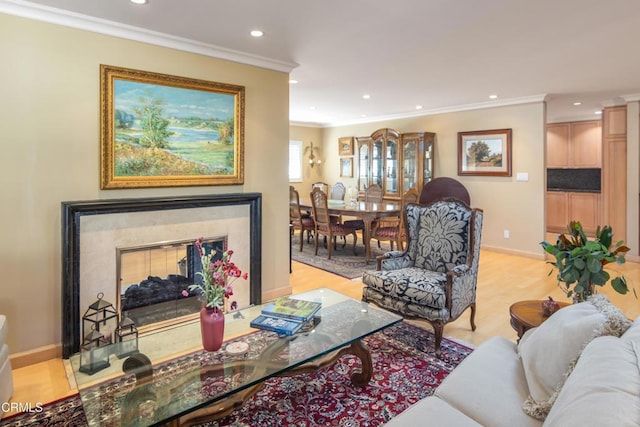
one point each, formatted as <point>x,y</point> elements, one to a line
<point>343,262</point>
<point>405,370</point>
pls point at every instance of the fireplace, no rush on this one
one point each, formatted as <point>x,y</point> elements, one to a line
<point>97,233</point>
<point>154,281</point>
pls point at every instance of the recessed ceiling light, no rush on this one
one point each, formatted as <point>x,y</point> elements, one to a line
<point>363,115</point>
<point>598,112</point>
<point>256,33</point>
<point>366,96</point>
<point>138,1</point>
<point>493,96</point>
<point>418,107</point>
<point>293,81</point>
<point>312,108</point>
<point>577,103</point>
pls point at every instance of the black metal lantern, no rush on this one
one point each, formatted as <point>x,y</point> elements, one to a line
<point>126,338</point>
<point>94,353</point>
<point>100,312</point>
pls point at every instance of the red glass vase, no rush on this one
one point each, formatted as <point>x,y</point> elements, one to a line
<point>212,328</point>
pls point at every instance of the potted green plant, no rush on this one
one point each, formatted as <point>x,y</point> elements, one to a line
<point>580,262</point>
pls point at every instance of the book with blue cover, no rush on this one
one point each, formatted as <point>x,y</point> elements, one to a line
<point>291,308</point>
<point>279,325</point>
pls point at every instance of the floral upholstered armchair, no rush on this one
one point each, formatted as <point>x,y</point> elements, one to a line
<point>435,277</point>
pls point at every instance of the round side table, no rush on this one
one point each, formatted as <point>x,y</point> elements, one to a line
<point>528,314</point>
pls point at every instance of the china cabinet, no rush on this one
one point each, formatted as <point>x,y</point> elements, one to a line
<point>395,161</point>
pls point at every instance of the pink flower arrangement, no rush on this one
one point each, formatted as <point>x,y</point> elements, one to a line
<point>217,278</point>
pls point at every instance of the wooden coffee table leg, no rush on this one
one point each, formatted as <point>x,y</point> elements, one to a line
<point>361,378</point>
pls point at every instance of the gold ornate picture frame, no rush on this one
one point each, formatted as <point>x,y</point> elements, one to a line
<point>346,167</point>
<point>159,130</point>
<point>345,146</point>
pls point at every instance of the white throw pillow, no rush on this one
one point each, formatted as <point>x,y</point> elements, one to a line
<point>603,388</point>
<point>550,351</point>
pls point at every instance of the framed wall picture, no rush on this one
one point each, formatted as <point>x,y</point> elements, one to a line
<point>345,146</point>
<point>486,152</point>
<point>346,167</point>
<point>159,130</point>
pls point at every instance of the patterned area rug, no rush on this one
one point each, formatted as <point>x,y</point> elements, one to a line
<point>405,371</point>
<point>343,262</point>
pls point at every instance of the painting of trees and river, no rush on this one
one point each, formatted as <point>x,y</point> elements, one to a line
<point>163,130</point>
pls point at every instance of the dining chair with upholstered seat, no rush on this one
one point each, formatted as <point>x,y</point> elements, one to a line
<point>394,231</point>
<point>297,219</point>
<point>321,185</point>
<point>372,194</point>
<point>338,191</point>
<point>324,225</point>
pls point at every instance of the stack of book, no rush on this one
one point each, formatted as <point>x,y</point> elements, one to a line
<point>286,315</point>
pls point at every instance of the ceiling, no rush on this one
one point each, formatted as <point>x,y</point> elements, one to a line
<point>443,55</point>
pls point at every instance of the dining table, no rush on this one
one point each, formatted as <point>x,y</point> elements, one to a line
<point>368,212</point>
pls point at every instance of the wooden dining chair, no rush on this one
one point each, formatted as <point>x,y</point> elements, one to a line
<point>394,230</point>
<point>324,226</point>
<point>338,191</point>
<point>321,185</point>
<point>298,220</point>
<point>372,194</point>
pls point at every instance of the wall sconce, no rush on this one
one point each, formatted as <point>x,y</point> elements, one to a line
<point>312,157</point>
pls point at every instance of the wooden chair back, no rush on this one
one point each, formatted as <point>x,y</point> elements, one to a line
<point>444,188</point>
<point>294,204</point>
<point>337,191</point>
<point>320,209</point>
<point>373,194</point>
<point>321,185</point>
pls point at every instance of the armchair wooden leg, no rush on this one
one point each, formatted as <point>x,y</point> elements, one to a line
<point>330,246</point>
<point>301,239</point>
<point>473,316</point>
<point>438,328</point>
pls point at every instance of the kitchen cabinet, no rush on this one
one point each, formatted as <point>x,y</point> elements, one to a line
<point>395,161</point>
<point>565,206</point>
<point>614,170</point>
<point>574,144</point>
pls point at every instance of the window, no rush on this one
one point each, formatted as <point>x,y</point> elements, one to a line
<point>295,161</point>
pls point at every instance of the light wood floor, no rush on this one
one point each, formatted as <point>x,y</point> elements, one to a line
<point>503,280</point>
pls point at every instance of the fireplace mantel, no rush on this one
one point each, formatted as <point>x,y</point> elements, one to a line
<point>73,214</point>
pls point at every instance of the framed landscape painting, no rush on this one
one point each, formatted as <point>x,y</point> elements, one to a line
<point>159,130</point>
<point>486,152</point>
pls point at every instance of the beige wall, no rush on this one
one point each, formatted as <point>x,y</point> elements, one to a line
<point>307,134</point>
<point>507,204</point>
<point>50,120</point>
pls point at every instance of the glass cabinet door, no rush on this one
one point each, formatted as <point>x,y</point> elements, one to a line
<point>377,162</point>
<point>363,166</point>
<point>391,187</point>
<point>409,165</point>
<point>428,161</point>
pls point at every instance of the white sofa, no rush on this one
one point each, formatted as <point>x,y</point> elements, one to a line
<point>6,379</point>
<point>494,384</point>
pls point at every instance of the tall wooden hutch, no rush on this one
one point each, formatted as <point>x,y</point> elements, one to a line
<point>395,161</point>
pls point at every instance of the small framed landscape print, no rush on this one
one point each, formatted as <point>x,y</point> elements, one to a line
<point>159,130</point>
<point>346,167</point>
<point>486,152</point>
<point>345,146</point>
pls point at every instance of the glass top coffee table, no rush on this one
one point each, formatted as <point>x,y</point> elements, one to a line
<point>172,381</point>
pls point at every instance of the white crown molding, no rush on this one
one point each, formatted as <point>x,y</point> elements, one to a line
<point>631,98</point>
<point>444,110</point>
<point>52,15</point>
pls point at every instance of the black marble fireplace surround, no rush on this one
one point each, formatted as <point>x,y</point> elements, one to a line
<point>73,212</point>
